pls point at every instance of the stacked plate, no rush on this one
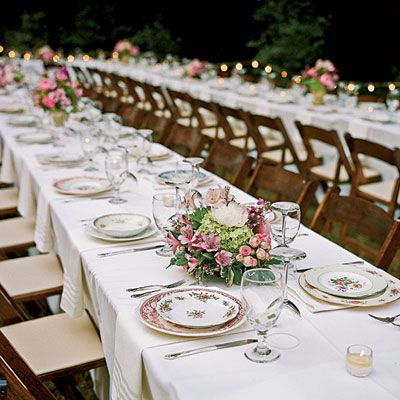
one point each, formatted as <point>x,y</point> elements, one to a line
<point>347,285</point>
<point>121,227</point>
<point>35,137</point>
<point>62,159</point>
<point>192,312</point>
<point>167,177</point>
<point>22,121</point>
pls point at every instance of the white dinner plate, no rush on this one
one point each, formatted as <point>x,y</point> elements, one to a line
<point>11,108</point>
<point>121,225</point>
<point>167,176</point>
<point>391,293</point>
<point>345,281</point>
<point>82,185</point>
<point>149,315</point>
<point>377,116</point>
<point>22,121</point>
<point>91,230</point>
<point>35,138</point>
<point>195,308</point>
<point>62,159</point>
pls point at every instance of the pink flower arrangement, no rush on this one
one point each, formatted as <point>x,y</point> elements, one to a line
<point>322,75</point>
<point>224,243</point>
<point>125,48</point>
<point>59,94</point>
<point>196,68</point>
<point>10,74</point>
<point>46,53</point>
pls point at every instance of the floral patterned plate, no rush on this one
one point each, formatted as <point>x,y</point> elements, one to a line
<point>121,225</point>
<point>82,185</point>
<point>197,308</point>
<point>91,230</point>
<point>391,293</point>
<point>149,315</point>
<point>345,281</point>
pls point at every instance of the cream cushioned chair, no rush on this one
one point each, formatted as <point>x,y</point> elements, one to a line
<point>8,201</point>
<point>16,233</point>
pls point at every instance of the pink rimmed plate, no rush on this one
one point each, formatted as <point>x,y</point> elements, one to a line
<point>150,316</point>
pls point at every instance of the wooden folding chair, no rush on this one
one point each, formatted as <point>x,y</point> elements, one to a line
<point>230,163</point>
<point>336,171</point>
<point>364,227</point>
<point>181,107</point>
<point>49,349</point>
<point>206,115</point>
<point>275,183</point>
<point>385,192</point>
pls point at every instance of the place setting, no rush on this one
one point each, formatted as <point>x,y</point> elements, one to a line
<point>35,137</point>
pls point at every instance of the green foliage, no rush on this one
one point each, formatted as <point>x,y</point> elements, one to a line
<point>158,39</point>
<point>293,35</point>
<point>32,33</point>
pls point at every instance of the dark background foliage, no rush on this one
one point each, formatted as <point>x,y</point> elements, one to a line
<point>360,37</point>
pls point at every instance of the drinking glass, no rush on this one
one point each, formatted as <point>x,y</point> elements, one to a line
<point>261,295</point>
<point>393,101</point>
<point>164,208</point>
<point>145,144</point>
<point>116,164</point>
<point>89,139</point>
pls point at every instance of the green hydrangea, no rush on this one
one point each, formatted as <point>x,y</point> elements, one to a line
<point>231,237</point>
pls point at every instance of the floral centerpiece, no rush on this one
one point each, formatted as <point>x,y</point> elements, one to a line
<point>219,237</point>
<point>198,69</point>
<point>320,78</point>
<point>126,50</point>
<point>58,96</point>
<point>46,53</point>
<point>10,74</point>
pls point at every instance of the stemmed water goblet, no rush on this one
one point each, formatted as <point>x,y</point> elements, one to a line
<point>116,164</point>
<point>145,144</point>
<point>164,209</point>
<point>89,139</point>
<point>262,297</point>
<point>393,101</point>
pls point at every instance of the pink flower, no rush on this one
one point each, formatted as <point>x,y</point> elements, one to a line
<point>249,261</point>
<point>223,258</point>
<point>134,51</point>
<point>186,234</point>
<point>311,73</point>
<point>254,241</point>
<point>46,53</point>
<point>263,229</point>
<point>266,245</point>
<point>192,262</point>
<point>210,242</point>
<point>261,254</point>
<point>196,68</point>
<point>245,250</point>
<point>239,258</point>
<point>78,92</point>
<point>62,74</point>
<point>327,81</point>
<point>46,85</point>
<point>49,102</point>
<point>213,195</point>
<point>175,243</point>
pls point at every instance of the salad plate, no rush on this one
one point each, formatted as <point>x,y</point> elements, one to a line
<point>149,316</point>
<point>168,176</point>
<point>91,230</point>
<point>197,308</point>
<point>121,225</point>
<point>345,281</point>
<point>82,185</point>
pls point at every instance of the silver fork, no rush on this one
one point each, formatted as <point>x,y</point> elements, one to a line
<point>387,319</point>
<point>168,286</point>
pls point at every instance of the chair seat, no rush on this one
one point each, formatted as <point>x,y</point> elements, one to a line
<point>56,342</point>
<point>276,156</point>
<point>8,199</point>
<point>16,232</point>
<point>380,191</point>
<point>241,143</point>
<point>213,132</point>
<point>327,171</point>
<point>26,275</point>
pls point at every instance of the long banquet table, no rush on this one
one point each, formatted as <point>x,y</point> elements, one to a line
<point>134,353</point>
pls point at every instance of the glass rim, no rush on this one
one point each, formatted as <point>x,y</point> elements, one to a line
<point>277,275</point>
<point>362,346</point>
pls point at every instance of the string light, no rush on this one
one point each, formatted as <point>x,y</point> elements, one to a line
<point>1,49</point>
<point>268,69</point>
<point>86,57</point>
<point>351,87</point>
<point>239,66</point>
<point>224,68</point>
<point>11,54</point>
<point>371,87</point>
<point>255,64</point>
<point>27,56</point>
<point>391,86</point>
<point>284,74</point>
<point>70,58</point>
<point>56,58</point>
<point>114,55</point>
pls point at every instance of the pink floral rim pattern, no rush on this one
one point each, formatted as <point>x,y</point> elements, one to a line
<point>391,293</point>
<point>150,317</point>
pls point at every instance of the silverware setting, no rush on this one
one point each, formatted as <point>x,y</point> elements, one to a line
<point>174,356</point>
<point>292,306</point>
<point>356,262</point>
<point>387,319</point>
<point>130,250</point>
<point>169,286</point>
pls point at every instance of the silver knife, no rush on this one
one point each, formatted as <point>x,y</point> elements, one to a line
<point>343,263</point>
<point>186,353</point>
<point>125,251</point>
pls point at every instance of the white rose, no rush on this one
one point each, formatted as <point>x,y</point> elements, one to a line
<point>231,214</point>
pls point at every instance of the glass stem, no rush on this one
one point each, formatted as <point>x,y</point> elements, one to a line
<point>283,230</point>
<point>285,279</point>
<point>262,346</point>
<point>117,189</point>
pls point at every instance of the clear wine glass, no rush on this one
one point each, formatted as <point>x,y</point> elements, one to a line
<point>89,139</point>
<point>393,101</point>
<point>116,164</point>
<point>145,144</point>
<point>195,163</point>
<point>164,208</point>
<point>262,298</point>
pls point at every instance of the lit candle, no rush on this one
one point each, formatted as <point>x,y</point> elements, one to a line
<point>359,360</point>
